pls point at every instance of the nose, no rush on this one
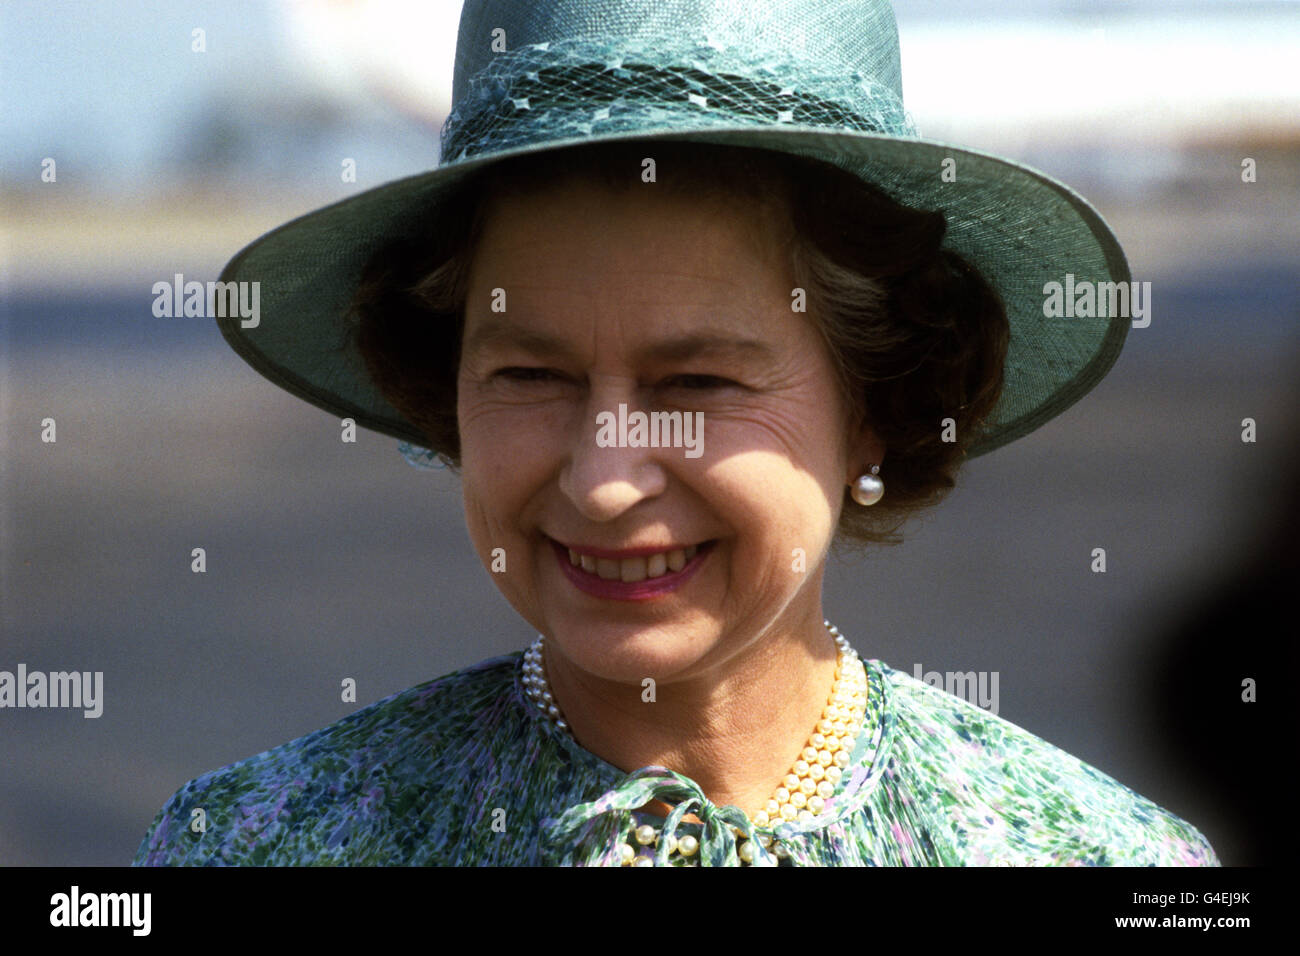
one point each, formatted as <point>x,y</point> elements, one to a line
<point>604,482</point>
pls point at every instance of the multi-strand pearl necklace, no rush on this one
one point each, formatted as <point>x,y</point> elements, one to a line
<point>803,792</point>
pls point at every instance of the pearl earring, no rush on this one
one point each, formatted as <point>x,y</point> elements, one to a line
<point>869,489</point>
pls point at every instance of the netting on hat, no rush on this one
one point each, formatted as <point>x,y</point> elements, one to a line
<point>421,458</point>
<point>580,87</point>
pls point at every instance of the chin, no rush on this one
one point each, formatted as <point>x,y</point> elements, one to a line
<point>628,653</point>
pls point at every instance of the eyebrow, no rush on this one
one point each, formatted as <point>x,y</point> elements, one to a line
<point>543,345</point>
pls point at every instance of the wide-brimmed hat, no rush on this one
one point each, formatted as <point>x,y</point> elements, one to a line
<point>814,78</point>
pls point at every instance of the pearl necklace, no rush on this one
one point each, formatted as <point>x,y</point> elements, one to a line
<point>802,793</point>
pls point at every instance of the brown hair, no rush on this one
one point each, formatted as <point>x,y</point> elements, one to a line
<point>915,332</point>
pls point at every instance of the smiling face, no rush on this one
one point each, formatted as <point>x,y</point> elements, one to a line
<point>658,304</point>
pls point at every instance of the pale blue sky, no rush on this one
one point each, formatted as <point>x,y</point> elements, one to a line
<point>114,91</point>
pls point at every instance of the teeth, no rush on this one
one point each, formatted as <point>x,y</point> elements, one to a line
<point>632,570</point>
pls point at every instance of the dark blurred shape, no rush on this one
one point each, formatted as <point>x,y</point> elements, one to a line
<point>1240,755</point>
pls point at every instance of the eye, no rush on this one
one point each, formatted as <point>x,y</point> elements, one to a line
<point>696,382</point>
<point>522,374</point>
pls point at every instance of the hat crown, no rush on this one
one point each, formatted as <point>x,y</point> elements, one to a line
<point>834,36</point>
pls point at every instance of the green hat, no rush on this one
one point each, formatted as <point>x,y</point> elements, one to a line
<point>815,78</point>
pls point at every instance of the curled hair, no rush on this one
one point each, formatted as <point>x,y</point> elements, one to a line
<point>915,333</point>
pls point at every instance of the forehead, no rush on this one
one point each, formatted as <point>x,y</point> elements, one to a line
<point>646,263</point>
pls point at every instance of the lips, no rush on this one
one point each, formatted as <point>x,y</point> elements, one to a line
<point>635,577</point>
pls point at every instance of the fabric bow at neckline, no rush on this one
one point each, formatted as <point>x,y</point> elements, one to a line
<point>591,834</point>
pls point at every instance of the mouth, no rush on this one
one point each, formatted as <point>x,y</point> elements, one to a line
<point>632,578</point>
<point>637,567</point>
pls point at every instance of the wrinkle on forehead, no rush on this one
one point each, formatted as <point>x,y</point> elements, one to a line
<point>706,271</point>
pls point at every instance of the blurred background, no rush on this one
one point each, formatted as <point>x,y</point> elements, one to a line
<point>329,560</point>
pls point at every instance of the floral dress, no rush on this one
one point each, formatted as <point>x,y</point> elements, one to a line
<point>466,770</point>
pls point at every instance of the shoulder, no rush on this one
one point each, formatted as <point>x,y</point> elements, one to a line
<point>1011,798</point>
<point>313,799</point>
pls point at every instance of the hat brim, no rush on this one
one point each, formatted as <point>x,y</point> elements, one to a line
<point>1020,227</point>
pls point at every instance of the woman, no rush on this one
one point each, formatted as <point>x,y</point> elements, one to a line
<point>677,308</point>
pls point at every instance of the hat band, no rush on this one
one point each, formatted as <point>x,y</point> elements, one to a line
<point>576,88</point>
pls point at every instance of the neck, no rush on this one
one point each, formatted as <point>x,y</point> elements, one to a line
<point>735,728</point>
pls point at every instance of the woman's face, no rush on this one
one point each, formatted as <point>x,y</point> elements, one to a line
<point>583,300</point>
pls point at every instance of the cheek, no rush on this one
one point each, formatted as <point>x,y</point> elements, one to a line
<point>785,448</point>
<point>771,500</point>
<point>507,452</point>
